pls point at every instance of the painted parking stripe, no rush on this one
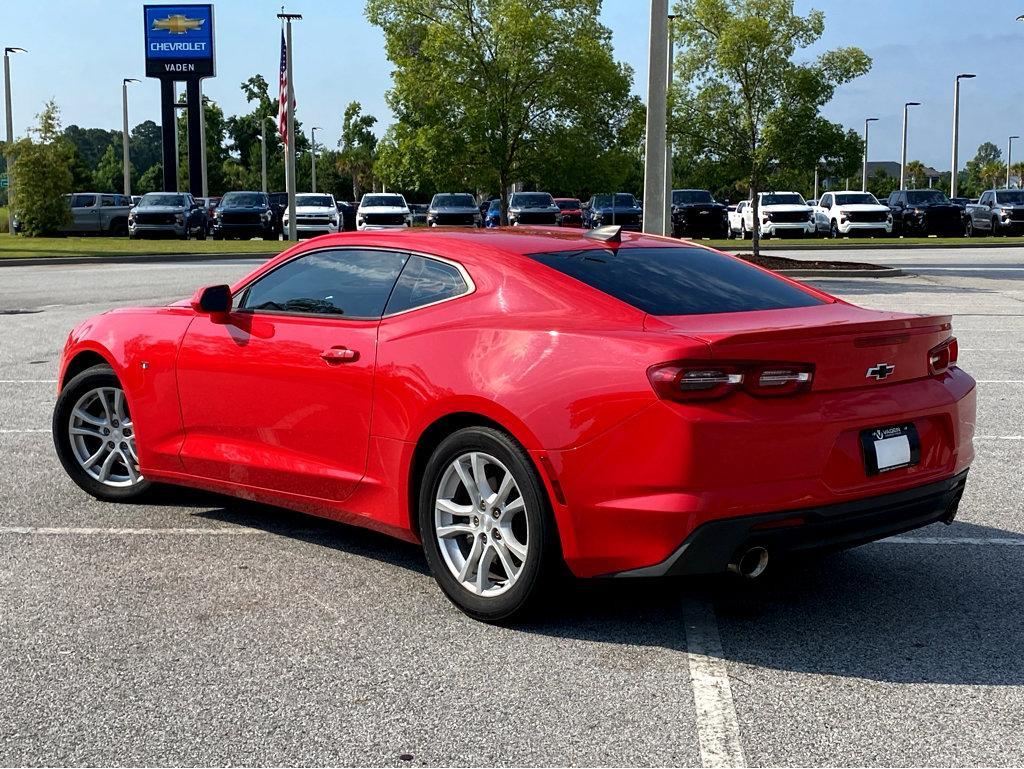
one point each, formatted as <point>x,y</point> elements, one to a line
<point>115,531</point>
<point>717,727</point>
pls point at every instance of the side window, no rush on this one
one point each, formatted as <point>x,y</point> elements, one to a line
<point>348,282</point>
<point>107,201</point>
<point>83,201</point>
<point>986,199</point>
<point>423,282</point>
<point>826,201</point>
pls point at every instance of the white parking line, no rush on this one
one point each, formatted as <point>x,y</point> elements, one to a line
<point>1008,541</point>
<point>718,730</point>
<point>103,531</point>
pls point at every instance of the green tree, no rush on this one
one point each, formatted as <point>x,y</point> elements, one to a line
<point>992,174</point>
<point>109,176</point>
<point>970,182</point>
<point>42,171</point>
<point>152,180</point>
<point>358,148</point>
<point>741,96</point>
<point>216,151</point>
<point>880,184</point>
<point>916,174</point>
<point>145,142</point>
<point>483,89</point>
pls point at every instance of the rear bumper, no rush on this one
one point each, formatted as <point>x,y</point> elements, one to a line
<point>712,546</point>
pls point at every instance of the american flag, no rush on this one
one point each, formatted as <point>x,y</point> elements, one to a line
<point>282,98</point>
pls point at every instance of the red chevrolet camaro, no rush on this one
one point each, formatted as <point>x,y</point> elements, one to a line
<point>624,404</point>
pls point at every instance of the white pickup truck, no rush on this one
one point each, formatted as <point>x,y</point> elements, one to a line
<point>736,228</point>
<point>780,213</point>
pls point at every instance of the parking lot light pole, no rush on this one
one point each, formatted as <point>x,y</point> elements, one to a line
<point>864,171</point>
<point>1009,158</point>
<point>125,154</point>
<point>667,229</point>
<point>10,134</point>
<point>312,141</point>
<point>288,18</point>
<point>956,131</point>
<point>654,158</point>
<point>903,152</point>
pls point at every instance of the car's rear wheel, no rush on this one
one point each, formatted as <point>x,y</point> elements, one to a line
<point>94,434</point>
<point>833,229</point>
<point>485,523</point>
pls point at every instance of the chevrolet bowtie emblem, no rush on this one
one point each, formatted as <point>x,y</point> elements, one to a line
<point>178,24</point>
<point>880,371</point>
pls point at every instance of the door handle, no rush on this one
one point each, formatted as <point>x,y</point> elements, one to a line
<point>339,354</point>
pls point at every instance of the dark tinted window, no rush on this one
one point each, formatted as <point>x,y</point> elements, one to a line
<point>568,204</point>
<point>917,197</point>
<point>678,281</point>
<point>392,201</point>
<point>345,282</point>
<point>244,200</point>
<point>683,197</point>
<point>782,199</point>
<point>425,281</point>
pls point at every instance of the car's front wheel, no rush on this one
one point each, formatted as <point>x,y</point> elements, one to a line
<point>484,518</point>
<point>94,434</point>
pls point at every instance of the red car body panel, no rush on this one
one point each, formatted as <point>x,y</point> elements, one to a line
<point>244,404</point>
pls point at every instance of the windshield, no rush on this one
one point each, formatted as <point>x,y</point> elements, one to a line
<point>494,206</point>
<point>856,198</point>
<point>162,199</point>
<point>568,204</point>
<point>531,200</point>
<point>915,197</point>
<point>682,197</point>
<point>1010,196</point>
<point>622,200</point>
<point>391,201</point>
<point>322,201</point>
<point>453,201</point>
<point>782,199</point>
<point>678,280</point>
<point>243,199</point>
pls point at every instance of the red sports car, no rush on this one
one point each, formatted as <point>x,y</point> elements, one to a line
<point>624,404</point>
<point>571,212</point>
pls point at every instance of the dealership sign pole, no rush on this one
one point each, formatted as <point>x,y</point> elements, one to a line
<point>180,48</point>
<point>655,206</point>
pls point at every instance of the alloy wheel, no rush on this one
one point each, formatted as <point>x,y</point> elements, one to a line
<point>102,437</point>
<point>480,523</point>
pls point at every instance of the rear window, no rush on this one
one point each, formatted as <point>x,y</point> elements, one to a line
<point>678,281</point>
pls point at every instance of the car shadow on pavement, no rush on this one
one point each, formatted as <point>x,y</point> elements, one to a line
<point>888,611</point>
<point>891,611</point>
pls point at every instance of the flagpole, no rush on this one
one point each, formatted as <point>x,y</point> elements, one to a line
<point>290,165</point>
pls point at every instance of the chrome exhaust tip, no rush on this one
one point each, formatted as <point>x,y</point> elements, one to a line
<point>751,563</point>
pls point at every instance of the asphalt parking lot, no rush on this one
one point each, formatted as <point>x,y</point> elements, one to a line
<point>203,630</point>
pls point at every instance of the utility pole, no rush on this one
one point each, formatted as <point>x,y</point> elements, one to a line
<point>312,141</point>
<point>956,131</point>
<point>288,18</point>
<point>815,196</point>
<point>125,154</point>
<point>10,135</point>
<point>263,151</point>
<point>655,206</point>
<point>667,229</point>
<point>903,153</point>
<point>864,171</point>
<point>1009,158</point>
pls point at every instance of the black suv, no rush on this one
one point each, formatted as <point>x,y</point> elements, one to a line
<point>695,213</point>
<point>925,212</point>
<point>243,215</point>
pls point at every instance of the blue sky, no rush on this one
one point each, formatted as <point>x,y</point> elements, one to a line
<point>80,49</point>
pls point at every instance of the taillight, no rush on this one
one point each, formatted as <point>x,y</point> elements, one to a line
<point>942,356</point>
<point>694,381</point>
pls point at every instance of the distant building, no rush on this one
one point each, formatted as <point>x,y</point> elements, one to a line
<point>892,169</point>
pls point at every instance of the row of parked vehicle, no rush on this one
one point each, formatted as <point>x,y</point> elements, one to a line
<point>850,213</point>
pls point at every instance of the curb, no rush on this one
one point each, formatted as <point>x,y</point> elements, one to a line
<point>881,272</point>
<point>37,261</point>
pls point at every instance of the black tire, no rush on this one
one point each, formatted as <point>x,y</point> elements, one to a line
<point>833,229</point>
<point>218,236</point>
<point>969,230</point>
<point>745,234</point>
<point>96,376</point>
<point>997,229</point>
<point>543,557</point>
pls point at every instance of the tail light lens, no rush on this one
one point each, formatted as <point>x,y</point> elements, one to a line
<point>697,381</point>
<point>942,356</point>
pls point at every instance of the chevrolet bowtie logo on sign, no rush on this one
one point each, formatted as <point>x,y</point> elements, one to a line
<point>179,41</point>
<point>880,371</point>
<point>178,24</point>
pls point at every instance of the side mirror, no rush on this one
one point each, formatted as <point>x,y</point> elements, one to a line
<point>212,300</point>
